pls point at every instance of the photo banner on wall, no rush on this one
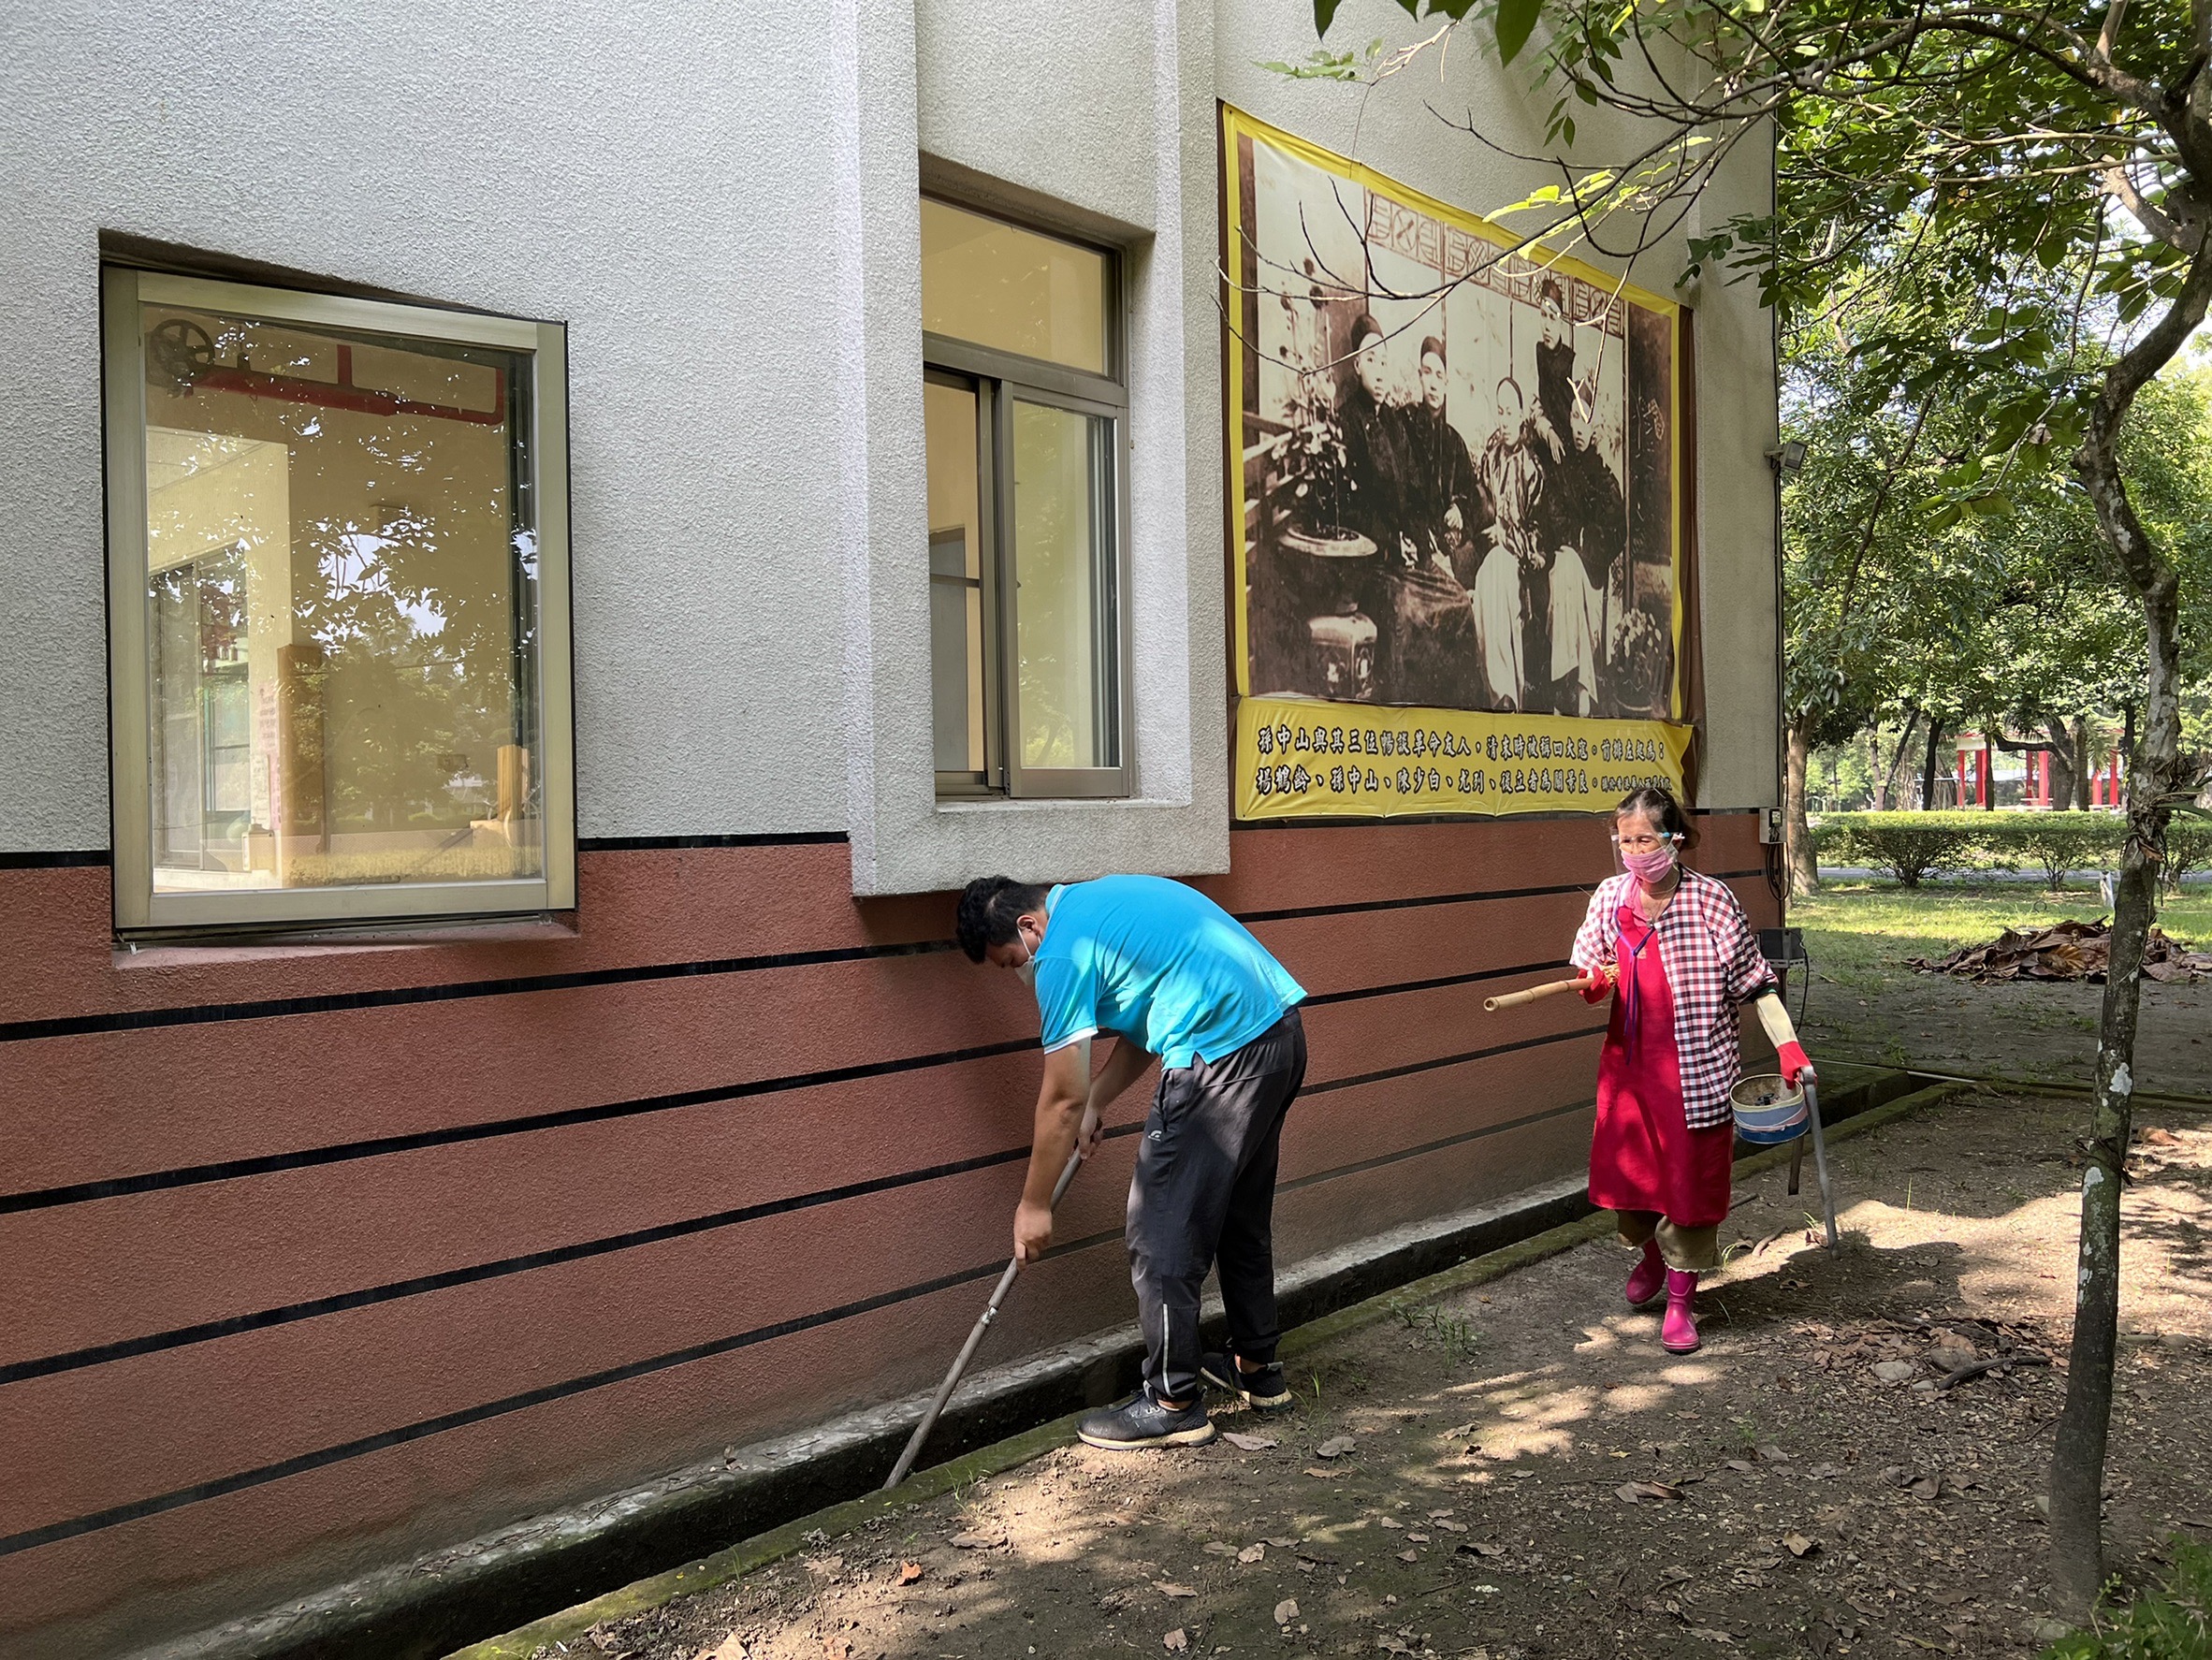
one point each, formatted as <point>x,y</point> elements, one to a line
<point>1458,509</point>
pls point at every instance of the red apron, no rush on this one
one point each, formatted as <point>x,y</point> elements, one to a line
<point>1643,1155</point>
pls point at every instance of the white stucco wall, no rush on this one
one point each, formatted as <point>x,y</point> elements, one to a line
<point>664,190</point>
<point>722,211</point>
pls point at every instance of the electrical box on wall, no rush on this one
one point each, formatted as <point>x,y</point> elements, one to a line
<point>1770,825</point>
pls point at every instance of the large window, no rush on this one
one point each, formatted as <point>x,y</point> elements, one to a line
<point>338,603</point>
<point>1024,411</point>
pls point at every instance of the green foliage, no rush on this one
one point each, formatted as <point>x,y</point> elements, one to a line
<point>2189,845</point>
<point>1910,846</point>
<point>2063,841</point>
<point>2174,1623</point>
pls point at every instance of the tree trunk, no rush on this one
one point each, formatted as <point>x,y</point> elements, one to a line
<point>2082,775</point>
<point>1928,770</point>
<point>2063,770</point>
<point>1890,780</point>
<point>1797,832</point>
<point>2155,778</point>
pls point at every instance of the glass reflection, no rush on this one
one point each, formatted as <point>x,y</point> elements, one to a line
<point>1061,632</point>
<point>342,592</point>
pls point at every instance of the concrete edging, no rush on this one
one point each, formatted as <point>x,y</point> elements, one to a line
<point>752,1554</point>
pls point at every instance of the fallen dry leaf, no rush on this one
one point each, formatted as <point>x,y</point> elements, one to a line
<point>1741,1463</point>
<point>1774,1455</point>
<point>837,1648</point>
<point>1175,1641</point>
<point>1249,1443</point>
<point>1388,1522</point>
<point>1336,1447</point>
<point>1409,1556</point>
<point>1286,1611</point>
<point>1710,1635</point>
<point>1636,1490</point>
<point>1418,1538</point>
<point>1168,1588</point>
<point>730,1648</point>
<point>1327,1475</point>
<point>1798,1545</point>
<point>1252,1553</point>
<point>977,1541</point>
<point>826,1565</point>
<point>909,1572</point>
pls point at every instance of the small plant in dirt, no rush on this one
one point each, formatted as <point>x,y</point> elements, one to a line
<point>1454,1333</point>
<point>2174,1623</point>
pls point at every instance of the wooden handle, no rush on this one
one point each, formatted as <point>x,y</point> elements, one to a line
<point>1513,999</point>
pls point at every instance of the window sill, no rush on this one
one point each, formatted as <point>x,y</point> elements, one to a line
<point>213,950</point>
<point>1052,803</point>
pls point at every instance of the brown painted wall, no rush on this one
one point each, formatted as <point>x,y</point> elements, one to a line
<point>319,1257</point>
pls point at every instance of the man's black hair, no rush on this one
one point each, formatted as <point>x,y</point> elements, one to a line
<point>1667,812</point>
<point>1364,326</point>
<point>989,907</point>
<point>1550,290</point>
<point>1433,347</point>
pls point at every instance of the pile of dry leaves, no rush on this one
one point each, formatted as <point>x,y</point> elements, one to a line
<point>2063,951</point>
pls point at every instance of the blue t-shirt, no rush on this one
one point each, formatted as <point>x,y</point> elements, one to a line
<point>1157,963</point>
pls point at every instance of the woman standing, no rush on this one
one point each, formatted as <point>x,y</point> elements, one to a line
<point>1675,945</point>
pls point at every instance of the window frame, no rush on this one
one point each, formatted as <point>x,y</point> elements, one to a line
<point>999,379</point>
<point>137,908</point>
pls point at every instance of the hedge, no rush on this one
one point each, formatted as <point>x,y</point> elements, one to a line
<point>1913,846</point>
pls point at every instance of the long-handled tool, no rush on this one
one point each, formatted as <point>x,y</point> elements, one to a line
<point>1820,1155</point>
<point>952,1382</point>
<point>1514,999</point>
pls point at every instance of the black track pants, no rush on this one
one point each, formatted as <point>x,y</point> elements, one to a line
<point>1205,1189</point>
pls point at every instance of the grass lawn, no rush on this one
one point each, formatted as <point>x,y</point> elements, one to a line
<point>1860,932</point>
<point>1863,1004</point>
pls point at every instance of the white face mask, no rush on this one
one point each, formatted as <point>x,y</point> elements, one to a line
<point>1027,969</point>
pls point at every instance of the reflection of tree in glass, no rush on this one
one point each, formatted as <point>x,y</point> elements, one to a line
<point>1054,521</point>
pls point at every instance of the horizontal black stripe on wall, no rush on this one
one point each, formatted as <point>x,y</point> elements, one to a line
<point>315,1308</point>
<point>1461,1059</point>
<point>399,996</point>
<point>394,996</point>
<point>378,1146</point>
<point>158,1504</point>
<point>648,844</point>
<point>1378,1162</point>
<point>139,1509</point>
<point>231,1170</point>
<point>55,861</point>
<point>1418,901</point>
<point>338,1303</point>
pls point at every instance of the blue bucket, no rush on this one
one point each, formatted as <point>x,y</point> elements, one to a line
<point>1769,1111</point>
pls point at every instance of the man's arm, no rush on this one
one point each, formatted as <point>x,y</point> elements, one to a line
<point>1123,1067</point>
<point>1060,1101</point>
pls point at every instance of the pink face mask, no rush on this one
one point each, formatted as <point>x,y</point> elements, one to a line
<point>1652,867</point>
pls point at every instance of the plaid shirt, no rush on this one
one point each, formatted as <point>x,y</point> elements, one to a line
<point>1713,966</point>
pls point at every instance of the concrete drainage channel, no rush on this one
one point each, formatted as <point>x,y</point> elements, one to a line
<point>768,1496</point>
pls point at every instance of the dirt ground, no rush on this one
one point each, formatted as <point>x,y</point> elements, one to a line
<point>2029,1029</point>
<point>1518,1470</point>
<point>1863,1003</point>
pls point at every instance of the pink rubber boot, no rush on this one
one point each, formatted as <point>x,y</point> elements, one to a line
<point>1678,1332</point>
<point>1648,1278</point>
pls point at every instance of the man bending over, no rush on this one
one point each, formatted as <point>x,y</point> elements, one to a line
<point>1170,974</point>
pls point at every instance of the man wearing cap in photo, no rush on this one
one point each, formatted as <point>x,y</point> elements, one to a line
<point>1172,976</point>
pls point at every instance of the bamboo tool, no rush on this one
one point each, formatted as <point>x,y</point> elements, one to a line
<point>952,1382</point>
<point>1513,999</point>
